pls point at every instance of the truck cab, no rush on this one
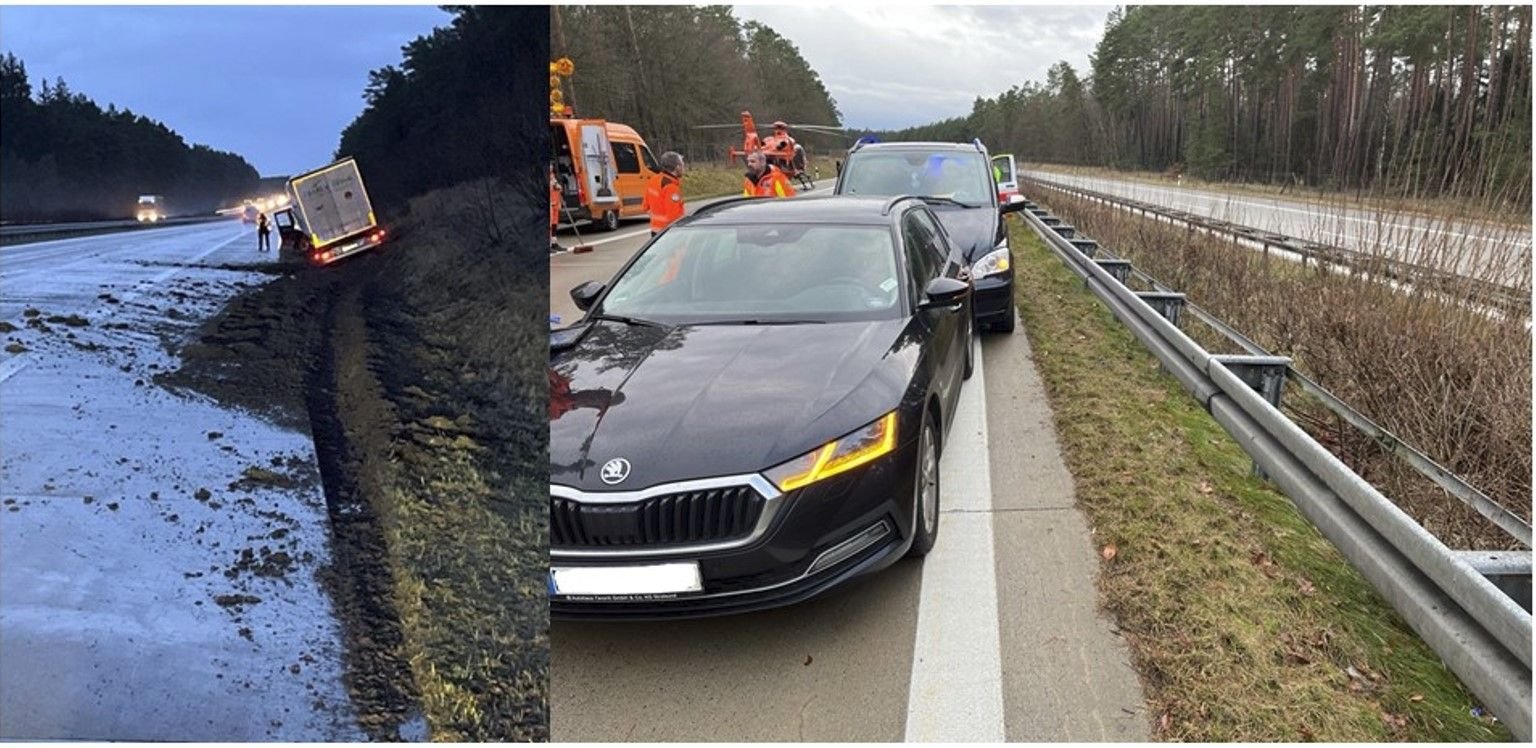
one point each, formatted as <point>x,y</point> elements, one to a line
<point>151,209</point>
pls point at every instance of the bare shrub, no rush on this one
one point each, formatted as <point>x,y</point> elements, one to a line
<point>1453,380</point>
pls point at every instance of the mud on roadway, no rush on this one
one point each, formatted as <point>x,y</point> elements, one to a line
<point>417,370</point>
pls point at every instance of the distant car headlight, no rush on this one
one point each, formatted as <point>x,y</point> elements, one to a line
<point>992,263</point>
<point>837,456</point>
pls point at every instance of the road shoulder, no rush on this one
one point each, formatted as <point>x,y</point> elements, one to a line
<point>1067,674</point>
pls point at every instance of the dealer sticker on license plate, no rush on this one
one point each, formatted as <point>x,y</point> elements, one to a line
<point>653,579</point>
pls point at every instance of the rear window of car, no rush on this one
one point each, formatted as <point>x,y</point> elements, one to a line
<point>964,176</point>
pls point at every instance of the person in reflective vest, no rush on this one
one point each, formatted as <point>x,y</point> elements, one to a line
<point>554,208</point>
<point>664,192</point>
<point>764,179</point>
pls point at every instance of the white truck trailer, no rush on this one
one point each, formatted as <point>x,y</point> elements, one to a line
<point>329,215</point>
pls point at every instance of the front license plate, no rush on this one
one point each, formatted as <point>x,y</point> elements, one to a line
<point>621,581</point>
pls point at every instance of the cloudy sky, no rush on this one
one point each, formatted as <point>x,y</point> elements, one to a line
<point>891,67</point>
<point>273,84</point>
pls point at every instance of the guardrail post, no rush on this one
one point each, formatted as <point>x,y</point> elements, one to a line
<point>1167,303</point>
<point>1050,220</point>
<point>1086,246</point>
<point>1066,231</point>
<point>1121,269</point>
<point>1510,571</point>
<point>1265,374</point>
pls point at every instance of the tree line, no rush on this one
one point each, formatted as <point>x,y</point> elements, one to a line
<point>63,157</point>
<point>666,70</point>
<point>458,107</point>
<point>1415,101</point>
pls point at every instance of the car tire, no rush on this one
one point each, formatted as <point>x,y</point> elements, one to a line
<point>925,506</point>
<point>610,221</point>
<point>970,349</point>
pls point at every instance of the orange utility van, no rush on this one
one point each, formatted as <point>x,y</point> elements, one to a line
<point>602,168</point>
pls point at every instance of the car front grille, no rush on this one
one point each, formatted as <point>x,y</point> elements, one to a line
<point>683,518</point>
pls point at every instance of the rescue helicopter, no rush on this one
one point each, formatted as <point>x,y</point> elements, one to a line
<point>779,146</point>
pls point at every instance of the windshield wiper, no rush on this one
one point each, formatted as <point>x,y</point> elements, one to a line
<point>947,201</point>
<point>762,322</point>
<point>636,321</point>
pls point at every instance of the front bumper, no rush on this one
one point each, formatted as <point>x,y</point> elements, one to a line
<point>818,538</point>
<point>993,297</point>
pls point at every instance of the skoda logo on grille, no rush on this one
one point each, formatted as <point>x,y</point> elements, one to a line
<point>615,470</point>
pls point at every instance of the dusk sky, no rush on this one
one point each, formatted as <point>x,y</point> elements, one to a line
<point>273,84</point>
<point>894,66</point>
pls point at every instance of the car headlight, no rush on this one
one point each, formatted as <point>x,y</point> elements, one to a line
<point>993,262</point>
<point>837,456</point>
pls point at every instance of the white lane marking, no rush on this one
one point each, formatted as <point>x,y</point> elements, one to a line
<point>13,365</point>
<point>956,692</point>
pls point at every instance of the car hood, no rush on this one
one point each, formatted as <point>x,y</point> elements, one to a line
<point>702,401</point>
<point>974,230</point>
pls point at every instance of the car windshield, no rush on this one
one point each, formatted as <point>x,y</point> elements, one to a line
<point>761,274</point>
<point>962,176</point>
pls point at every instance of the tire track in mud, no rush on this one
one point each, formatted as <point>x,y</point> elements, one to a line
<point>359,579</point>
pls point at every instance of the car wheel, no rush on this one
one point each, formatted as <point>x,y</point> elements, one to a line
<point>925,513</point>
<point>610,220</point>
<point>970,348</point>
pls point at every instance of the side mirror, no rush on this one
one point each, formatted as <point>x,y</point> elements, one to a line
<point>586,294</point>
<point>1012,206</point>
<point>945,293</point>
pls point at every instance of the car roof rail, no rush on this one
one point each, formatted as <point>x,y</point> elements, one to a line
<point>891,203</point>
<point>721,203</point>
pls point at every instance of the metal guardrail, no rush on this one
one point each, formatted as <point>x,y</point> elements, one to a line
<point>1481,633</point>
<point>1504,298</point>
<point>14,233</point>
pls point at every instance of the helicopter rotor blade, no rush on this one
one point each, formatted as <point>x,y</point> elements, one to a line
<point>736,125</point>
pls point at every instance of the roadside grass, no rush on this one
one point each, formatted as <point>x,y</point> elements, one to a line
<point>705,180</point>
<point>1446,378</point>
<point>452,384</point>
<point>1244,622</point>
<point>1443,208</point>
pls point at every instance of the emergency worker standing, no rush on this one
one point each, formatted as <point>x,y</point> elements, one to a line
<point>764,179</point>
<point>664,192</point>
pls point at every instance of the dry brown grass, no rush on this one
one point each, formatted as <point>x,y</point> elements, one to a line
<point>1453,381</point>
<point>455,315</point>
<point>1243,621</point>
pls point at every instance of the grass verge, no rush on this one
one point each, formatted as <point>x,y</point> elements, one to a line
<point>1387,352</point>
<point>706,180</point>
<point>452,372</point>
<point>1244,622</point>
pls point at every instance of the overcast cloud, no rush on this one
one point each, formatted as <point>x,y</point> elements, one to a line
<point>273,84</point>
<point>894,67</point>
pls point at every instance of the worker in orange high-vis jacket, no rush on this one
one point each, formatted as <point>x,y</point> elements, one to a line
<point>555,203</point>
<point>764,179</point>
<point>664,192</point>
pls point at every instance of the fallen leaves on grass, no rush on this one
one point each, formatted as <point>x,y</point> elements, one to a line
<point>1108,552</point>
